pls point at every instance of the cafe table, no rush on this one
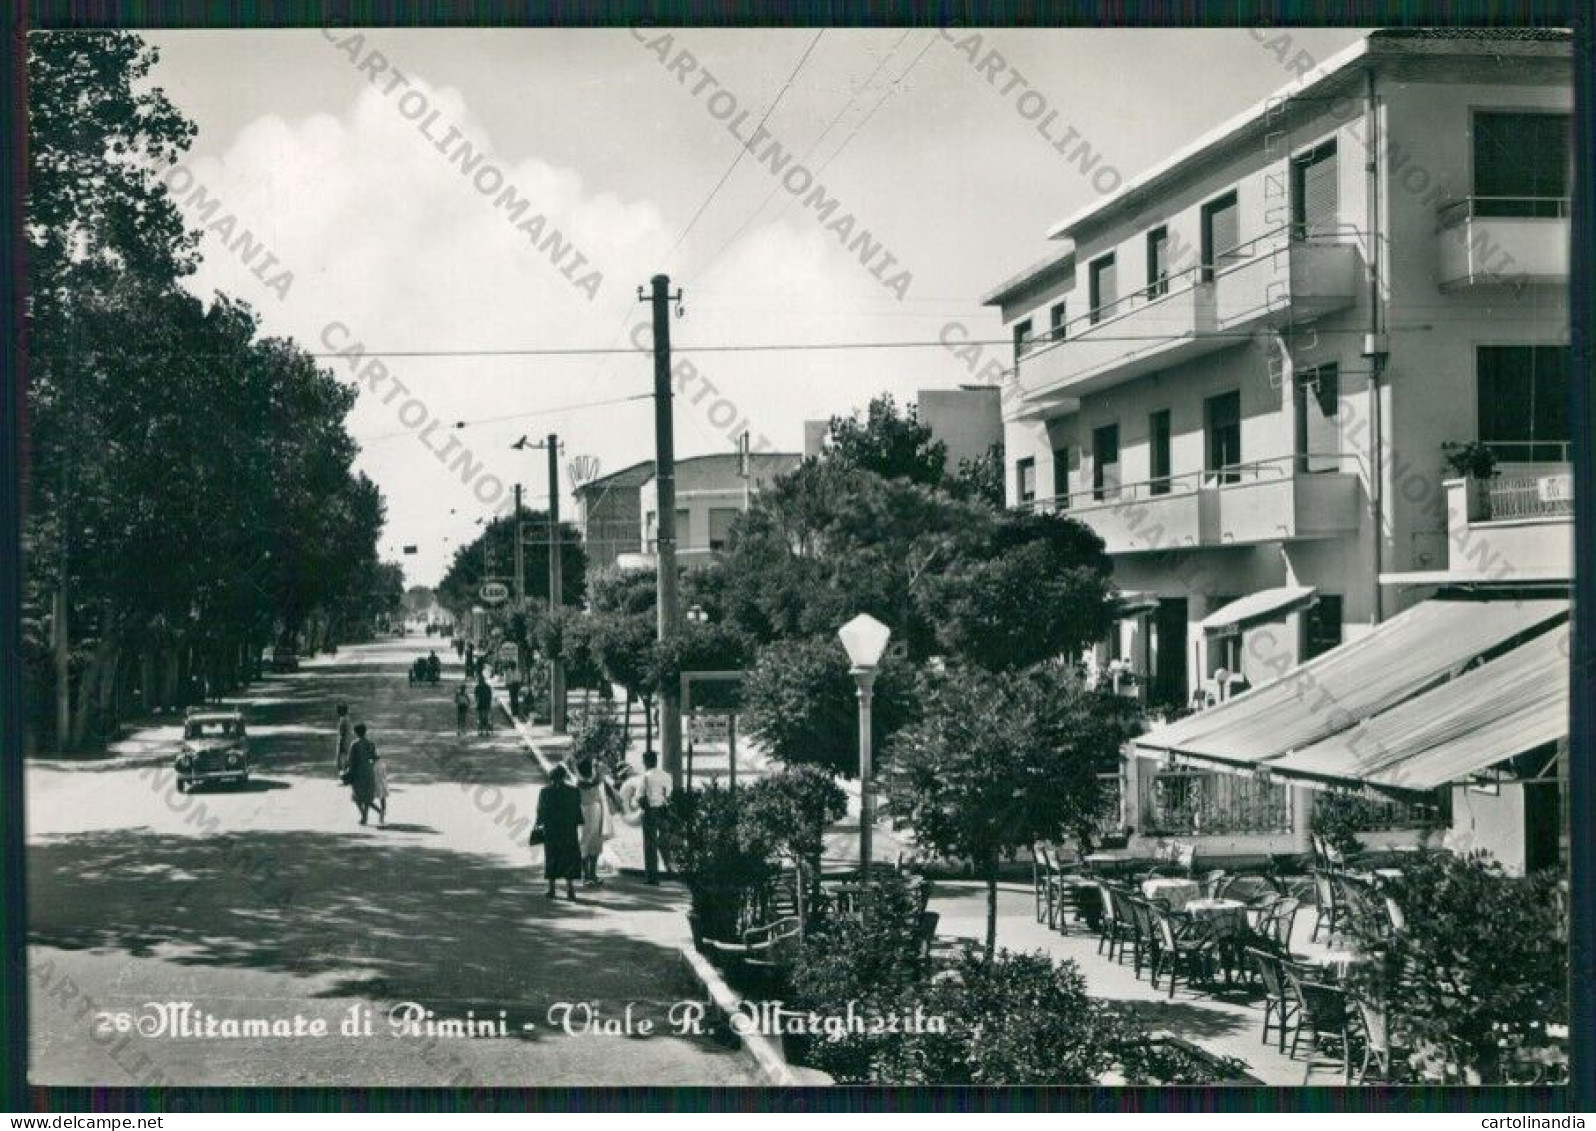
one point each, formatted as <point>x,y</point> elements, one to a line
<point>1226,917</point>
<point>1336,965</point>
<point>1177,893</point>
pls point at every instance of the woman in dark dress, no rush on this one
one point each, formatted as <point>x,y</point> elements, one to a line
<point>365,780</point>
<point>560,818</point>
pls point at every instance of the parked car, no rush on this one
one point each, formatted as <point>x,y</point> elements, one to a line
<point>281,659</point>
<point>215,748</point>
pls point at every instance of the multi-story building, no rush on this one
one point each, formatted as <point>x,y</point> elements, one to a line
<point>966,421</point>
<point>607,510</point>
<point>711,491</point>
<point>1244,368</point>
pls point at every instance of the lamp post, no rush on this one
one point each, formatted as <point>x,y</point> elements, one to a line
<point>865,639</point>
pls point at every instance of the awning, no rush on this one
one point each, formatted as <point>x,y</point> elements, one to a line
<point>1409,653</point>
<point>1266,605</point>
<point>1129,603</point>
<point>1497,711</point>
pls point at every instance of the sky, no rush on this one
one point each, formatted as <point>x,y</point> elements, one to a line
<point>353,180</point>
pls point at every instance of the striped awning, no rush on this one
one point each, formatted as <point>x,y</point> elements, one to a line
<point>1401,658</point>
<point>1499,710</point>
<point>1256,608</point>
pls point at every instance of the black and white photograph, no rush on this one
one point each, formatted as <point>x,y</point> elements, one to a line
<point>804,557</point>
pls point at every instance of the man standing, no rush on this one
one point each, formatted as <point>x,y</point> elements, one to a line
<point>649,792</point>
<point>484,704</point>
<point>346,736</point>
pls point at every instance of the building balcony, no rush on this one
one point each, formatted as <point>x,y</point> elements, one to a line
<point>1269,280</point>
<point>1279,279</point>
<point>1517,526</point>
<point>1269,501</point>
<point>1492,241</point>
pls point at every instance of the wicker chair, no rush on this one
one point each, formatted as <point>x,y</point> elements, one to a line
<point>1327,906</point>
<point>1280,1003</point>
<point>1144,934</point>
<point>1116,926</point>
<point>1375,1036</point>
<point>1322,1012</point>
<point>1180,952</point>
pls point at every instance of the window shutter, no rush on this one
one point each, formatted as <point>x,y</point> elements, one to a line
<point>1316,192</point>
<point>1226,228</point>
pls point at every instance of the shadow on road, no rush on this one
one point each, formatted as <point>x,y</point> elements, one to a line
<point>397,922</point>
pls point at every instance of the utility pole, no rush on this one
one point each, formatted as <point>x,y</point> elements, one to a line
<point>665,488</point>
<point>556,589</point>
<point>520,573</point>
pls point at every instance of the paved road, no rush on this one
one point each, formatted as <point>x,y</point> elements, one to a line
<point>267,901</point>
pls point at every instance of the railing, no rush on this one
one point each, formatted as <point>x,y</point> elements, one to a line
<point>1189,482</point>
<point>1175,283</point>
<point>1529,451</point>
<point>1186,802</point>
<point>1529,496</point>
<point>1501,207</point>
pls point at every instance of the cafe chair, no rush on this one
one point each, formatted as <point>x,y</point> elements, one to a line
<point>1180,953</point>
<point>1375,1035</point>
<point>1322,1013</point>
<point>1280,1004</point>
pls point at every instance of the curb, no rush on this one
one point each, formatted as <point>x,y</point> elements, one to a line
<point>772,1065</point>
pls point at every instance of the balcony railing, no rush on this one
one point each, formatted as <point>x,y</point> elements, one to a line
<point>1154,327</point>
<point>1495,241</point>
<point>1284,498</point>
<point>1501,207</point>
<point>1524,496</point>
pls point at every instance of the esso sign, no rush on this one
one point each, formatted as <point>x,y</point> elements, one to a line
<point>494,592</point>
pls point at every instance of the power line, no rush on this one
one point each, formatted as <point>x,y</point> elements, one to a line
<point>519,415</point>
<point>743,149</point>
<point>703,271</point>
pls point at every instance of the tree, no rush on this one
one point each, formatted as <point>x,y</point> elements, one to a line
<point>1478,972</point>
<point>800,701</point>
<point>827,542</point>
<point>888,443</point>
<point>495,547</point>
<point>792,810</point>
<point>1042,589</point>
<point>981,479</point>
<point>997,762</point>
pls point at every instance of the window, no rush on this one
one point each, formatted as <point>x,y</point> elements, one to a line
<point>1322,626</point>
<point>1221,233</point>
<point>649,540</point>
<point>1523,401</point>
<point>1318,419</point>
<point>1105,462</point>
<point>1055,316</point>
<point>1313,193</point>
<point>1157,262</point>
<point>1158,451</point>
<point>1521,164</point>
<point>1025,480</point>
<point>1104,287</point>
<point>720,524</point>
<point>1061,476</point>
<point>1222,430</point>
<point>1022,338</point>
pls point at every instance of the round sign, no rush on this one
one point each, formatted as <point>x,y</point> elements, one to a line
<point>494,592</point>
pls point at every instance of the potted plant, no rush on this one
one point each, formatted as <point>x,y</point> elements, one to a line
<point>712,851</point>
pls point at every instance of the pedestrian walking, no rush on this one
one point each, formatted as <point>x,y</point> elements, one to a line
<point>470,660</point>
<point>597,826</point>
<point>346,737</point>
<point>484,705</point>
<point>462,709</point>
<point>368,784</point>
<point>515,693</point>
<point>559,820</point>
<point>649,792</point>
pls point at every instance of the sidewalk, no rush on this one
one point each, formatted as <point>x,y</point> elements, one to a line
<point>1228,1024</point>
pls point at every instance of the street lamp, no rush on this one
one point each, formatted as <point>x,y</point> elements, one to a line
<point>865,639</point>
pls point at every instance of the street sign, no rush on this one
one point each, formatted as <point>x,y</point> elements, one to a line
<point>410,549</point>
<point>706,729</point>
<point>494,592</point>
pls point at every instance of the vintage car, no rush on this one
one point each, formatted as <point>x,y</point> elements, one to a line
<point>215,748</point>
